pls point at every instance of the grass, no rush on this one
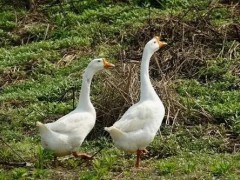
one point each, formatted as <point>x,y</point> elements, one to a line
<point>216,91</point>
<point>42,57</point>
<point>112,163</point>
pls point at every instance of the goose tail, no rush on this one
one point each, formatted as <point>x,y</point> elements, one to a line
<point>42,127</point>
<point>114,132</point>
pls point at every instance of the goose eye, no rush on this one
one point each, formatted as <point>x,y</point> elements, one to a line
<point>99,61</point>
<point>154,42</point>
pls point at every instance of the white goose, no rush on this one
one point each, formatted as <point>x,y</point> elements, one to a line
<point>140,123</point>
<point>65,135</point>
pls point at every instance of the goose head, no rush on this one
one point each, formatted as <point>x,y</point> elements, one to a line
<point>154,44</point>
<point>99,64</point>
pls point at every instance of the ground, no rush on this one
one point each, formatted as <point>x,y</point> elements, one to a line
<point>45,48</point>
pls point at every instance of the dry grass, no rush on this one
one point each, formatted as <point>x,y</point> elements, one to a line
<point>122,86</point>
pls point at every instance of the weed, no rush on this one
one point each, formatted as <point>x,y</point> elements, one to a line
<point>43,158</point>
<point>166,168</point>
<point>19,173</point>
<point>220,168</point>
<point>3,176</point>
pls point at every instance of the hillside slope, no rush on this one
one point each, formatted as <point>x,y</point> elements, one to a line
<point>44,50</point>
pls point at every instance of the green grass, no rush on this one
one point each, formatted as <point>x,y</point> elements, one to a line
<point>216,91</point>
<point>42,58</point>
<point>203,162</point>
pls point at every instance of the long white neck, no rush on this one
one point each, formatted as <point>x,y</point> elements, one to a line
<point>84,98</point>
<point>147,90</point>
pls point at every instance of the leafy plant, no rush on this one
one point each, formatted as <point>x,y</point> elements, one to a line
<point>43,158</point>
<point>220,168</point>
<point>166,168</point>
<point>19,173</point>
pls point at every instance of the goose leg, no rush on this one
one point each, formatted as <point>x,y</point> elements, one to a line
<point>82,155</point>
<point>138,159</point>
<point>139,153</point>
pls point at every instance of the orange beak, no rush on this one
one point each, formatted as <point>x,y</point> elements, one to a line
<point>161,43</point>
<point>107,64</point>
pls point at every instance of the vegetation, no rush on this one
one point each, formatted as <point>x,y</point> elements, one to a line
<point>45,47</point>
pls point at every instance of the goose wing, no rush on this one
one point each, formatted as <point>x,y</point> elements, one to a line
<point>71,122</point>
<point>136,117</point>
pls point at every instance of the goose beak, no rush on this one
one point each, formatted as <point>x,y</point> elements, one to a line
<point>161,43</point>
<point>106,64</point>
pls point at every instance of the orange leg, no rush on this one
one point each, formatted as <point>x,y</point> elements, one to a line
<point>82,155</point>
<point>139,153</point>
<point>138,158</point>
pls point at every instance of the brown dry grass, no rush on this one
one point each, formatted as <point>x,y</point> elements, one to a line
<point>122,86</point>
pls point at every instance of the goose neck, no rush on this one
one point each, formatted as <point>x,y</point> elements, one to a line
<point>84,98</point>
<point>147,91</point>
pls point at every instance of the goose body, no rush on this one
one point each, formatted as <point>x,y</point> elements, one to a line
<point>138,126</point>
<point>65,135</point>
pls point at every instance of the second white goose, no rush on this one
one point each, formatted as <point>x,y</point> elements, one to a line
<point>140,123</point>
